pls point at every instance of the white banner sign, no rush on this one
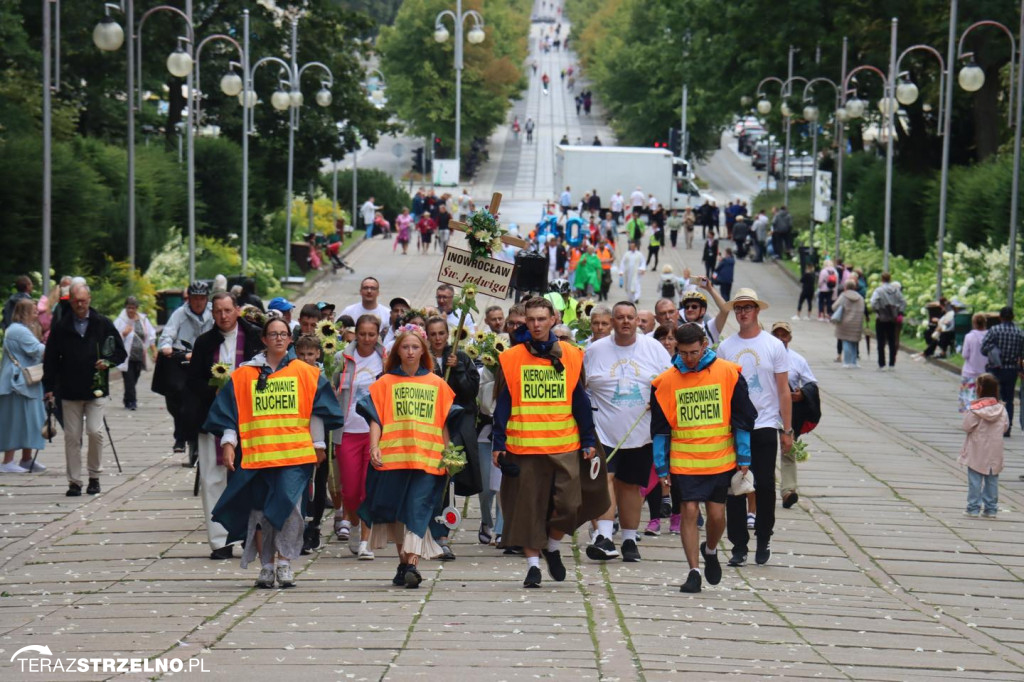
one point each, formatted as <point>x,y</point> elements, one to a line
<point>822,195</point>
<point>490,276</point>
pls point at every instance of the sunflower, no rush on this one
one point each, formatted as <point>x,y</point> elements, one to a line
<point>488,360</point>
<point>472,352</point>
<point>328,345</point>
<point>480,336</point>
<point>325,329</point>
<point>461,334</point>
<point>469,291</point>
<point>588,307</point>
<point>220,370</point>
<point>500,346</point>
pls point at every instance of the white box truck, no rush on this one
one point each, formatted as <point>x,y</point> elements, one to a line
<point>611,169</point>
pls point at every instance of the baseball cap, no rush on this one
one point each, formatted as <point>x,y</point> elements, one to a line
<point>280,303</point>
<point>784,326</point>
<point>324,304</point>
<point>399,300</point>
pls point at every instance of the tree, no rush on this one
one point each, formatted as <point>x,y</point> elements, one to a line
<point>419,71</point>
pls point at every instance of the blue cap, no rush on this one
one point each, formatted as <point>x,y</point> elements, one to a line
<point>280,303</point>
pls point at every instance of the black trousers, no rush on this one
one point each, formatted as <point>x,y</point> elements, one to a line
<point>131,377</point>
<point>318,503</point>
<point>1007,381</point>
<point>885,334</point>
<point>673,235</point>
<point>764,448</point>
<point>175,405</point>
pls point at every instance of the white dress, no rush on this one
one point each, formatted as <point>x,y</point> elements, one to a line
<point>633,266</point>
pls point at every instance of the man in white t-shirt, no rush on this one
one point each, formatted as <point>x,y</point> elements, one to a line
<point>694,304</point>
<point>766,369</point>
<point>636,199</point>
<point>369,292</point>
<point>445,297</point>
<point>616,204</point>
<point>618,370</point>
<point>800,375</point>
<point>368,211</point>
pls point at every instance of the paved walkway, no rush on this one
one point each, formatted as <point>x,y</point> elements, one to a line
<point>875,574</point>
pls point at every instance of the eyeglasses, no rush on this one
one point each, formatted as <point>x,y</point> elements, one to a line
<point>564,337</point>
<point>744,308</point>
<point>693,306</point>
<point>371,288</point>
<point>278,335</point>
<point>690,353</point>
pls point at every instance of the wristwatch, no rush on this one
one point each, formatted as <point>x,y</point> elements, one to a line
<point>788,432</point>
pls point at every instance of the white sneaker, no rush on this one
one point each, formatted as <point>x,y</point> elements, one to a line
<point>364,552</point>
<point>343,530</point>
<point>795,317</point>
<point>285,576</point>
<point>12,467</point>
<point>38,466</point>
<point>266,577</point>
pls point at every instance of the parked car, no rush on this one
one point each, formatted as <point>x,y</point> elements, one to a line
<point>749,138</point>
<point>744,123</point>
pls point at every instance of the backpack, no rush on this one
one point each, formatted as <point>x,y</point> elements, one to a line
<point>831,280</point>
<point>668,289</point>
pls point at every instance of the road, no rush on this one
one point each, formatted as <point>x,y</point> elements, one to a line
<point>875,573</point>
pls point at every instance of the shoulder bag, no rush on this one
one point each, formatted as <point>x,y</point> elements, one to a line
<point>32,374</point>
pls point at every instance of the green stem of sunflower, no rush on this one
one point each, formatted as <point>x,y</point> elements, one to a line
<point>458,336</point>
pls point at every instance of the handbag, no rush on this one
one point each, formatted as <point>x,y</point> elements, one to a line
<point>32,374</point>
<point>837,314</point>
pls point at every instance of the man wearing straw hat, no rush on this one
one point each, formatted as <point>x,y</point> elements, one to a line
<point>618,371</point>
<point>766,368</point>
<point>701,419</point>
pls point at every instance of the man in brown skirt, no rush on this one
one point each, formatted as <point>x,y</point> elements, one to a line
<point>543,430</point>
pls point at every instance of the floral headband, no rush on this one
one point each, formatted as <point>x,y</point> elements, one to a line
<point>411,329</point>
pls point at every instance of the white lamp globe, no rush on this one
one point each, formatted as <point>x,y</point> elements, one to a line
<point>906,93</point>
<point>247,99</point>
<point>745,101</point>
<point>764,107</point>
<point>888,106</point>
<point>476,35</point>
<point>280,100</point>
<point>440,34</point>
<point>323,97</point>
<point>231,84</point>
<point>811,113</point>
<point>856,107</point>
<point>842,115</point>
<point>785,110</point>
<point>108,35</point>
<point>971,78</point>
<point>295,98</point>
<point>179,63</point>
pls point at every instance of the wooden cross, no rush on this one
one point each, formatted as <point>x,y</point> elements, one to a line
<point>493,208</point>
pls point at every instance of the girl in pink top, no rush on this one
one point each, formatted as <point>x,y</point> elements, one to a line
<point>986,424</point>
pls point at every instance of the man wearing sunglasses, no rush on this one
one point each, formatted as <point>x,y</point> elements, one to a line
<point>765,366</point>
<point>694,306</point>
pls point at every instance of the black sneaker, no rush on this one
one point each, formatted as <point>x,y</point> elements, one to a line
<point>692,583</point>
<point>179,447</point>
<point>556,569</point>
<point>221,554</point>
<point>412,577</point>
<point>630,553</point>
<point>738,558</point>
<point>602,549</point>
<point>446,553</point>
<point>399,578</point>
<point>74,490</point>
<point>789,499</point>
<point>513,550</point>
<point>94,486</point>
<point>532,577</point>
<point>763,553</point>
<point>712,567</point>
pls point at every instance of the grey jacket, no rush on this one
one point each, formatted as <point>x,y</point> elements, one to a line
<point>184,325</point>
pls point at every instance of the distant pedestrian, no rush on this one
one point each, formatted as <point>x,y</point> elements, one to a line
<point>21,402</point>
<point>828,287</point>
<point>528,127</point>
<point>22,290</point>
<point>579,104</point>
<point>982,452</point>
<point>139,340</point>
<point>544,81</point>
<point>808,283</point>
<point>724,273</point>
<point>597,141</point>
<point>369,211</point>
<point>1004,346</point>
<point>850,327</point>
<point>974,362</point>
<point>782,233</point>
<point>710,255</point>
<point>888,304</point>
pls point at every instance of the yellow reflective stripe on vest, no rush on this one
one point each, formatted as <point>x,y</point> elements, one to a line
<point>702,447</point>
<point>702,433</point>
<point>683,462</point>
<point>518,410</point>
<point>275,439</point>
<point>569,423</point>
<point>418,427</point>
<point>272,424</point>
<point>282,455</point>
<point>394,443</point>
<point>535,442</point>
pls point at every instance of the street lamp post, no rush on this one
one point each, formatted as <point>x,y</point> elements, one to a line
<point>286,100</point>
<point>906,93</point>
<point>811,113</point>
<point>475,37</point>
<point>764,107</point>
<point>51,82</point>
<point>971,78</point>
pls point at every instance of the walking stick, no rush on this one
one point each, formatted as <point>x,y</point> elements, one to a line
<point>112,448</point>
<point>595,464</point>
<point>195,485</point>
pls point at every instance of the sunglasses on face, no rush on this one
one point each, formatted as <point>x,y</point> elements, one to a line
<point>694,306</point>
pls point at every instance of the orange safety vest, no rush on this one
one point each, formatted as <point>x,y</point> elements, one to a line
<point>605,253</point>
<point>412,412</point>
<point>541,422</point>
<point>273,424</point>
<point>698,407</point>
<point>574,258</point>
